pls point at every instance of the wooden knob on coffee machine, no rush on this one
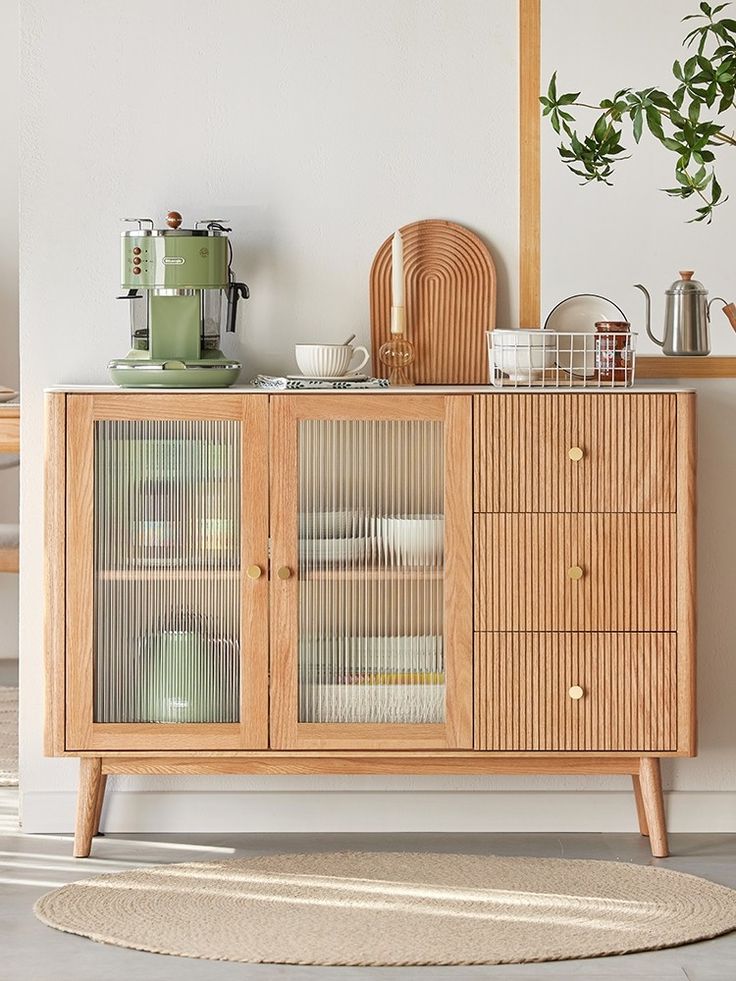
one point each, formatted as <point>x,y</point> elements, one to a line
<point>173,219</point>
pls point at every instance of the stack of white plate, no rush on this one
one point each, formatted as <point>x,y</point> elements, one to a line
<point>360,655</point>
<point>331,524</point>
<point>326,550</point>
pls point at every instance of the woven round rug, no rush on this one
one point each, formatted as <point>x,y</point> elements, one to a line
<point>391,909</point>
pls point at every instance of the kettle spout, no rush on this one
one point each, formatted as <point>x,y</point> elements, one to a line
<point>648,314</point>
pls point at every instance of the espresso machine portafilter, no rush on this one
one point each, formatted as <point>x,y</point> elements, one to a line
<point>182,291</point>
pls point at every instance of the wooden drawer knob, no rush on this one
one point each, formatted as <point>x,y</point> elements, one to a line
<point>575,572</point>
<point>254,572</point>
<point>575,453</point>
<point>575,692</point>
<point>284,572</point>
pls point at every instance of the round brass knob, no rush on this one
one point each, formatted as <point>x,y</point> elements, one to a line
<point>254,572</point>
<point>575,453</point>
<point>173,219</point>
<point>575,692</point>
<point>284,572</point>
<point>575,572</point>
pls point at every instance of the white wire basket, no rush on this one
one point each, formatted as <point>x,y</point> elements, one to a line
<point>554,359</point>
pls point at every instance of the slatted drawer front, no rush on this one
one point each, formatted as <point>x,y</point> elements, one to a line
<point>576,692</point>
<point>578,452</point>
<point>575,572</point>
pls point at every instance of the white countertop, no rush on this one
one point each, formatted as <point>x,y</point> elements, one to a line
<point>409,390</point>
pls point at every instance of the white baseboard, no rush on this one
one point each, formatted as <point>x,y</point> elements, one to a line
<point>385,811</point>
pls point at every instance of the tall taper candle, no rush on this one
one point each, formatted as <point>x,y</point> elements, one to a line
<point>397,271</point>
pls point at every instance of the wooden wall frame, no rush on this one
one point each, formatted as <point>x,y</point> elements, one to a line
<point>530,264</point>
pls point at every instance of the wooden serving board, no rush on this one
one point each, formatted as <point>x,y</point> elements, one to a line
<point>450,287</point>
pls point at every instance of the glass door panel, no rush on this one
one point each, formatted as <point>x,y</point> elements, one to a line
<point>371,565</point>
<point>167,507</point>
<point>167,571</point>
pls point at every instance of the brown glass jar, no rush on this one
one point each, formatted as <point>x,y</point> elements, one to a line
<point>613,361</point>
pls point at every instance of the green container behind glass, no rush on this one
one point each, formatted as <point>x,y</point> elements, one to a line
<point>185,676</point>
<point>181,287</point>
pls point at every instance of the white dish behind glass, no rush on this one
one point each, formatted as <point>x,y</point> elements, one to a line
<point>326,550</point>
<point>413,539</point>
<point>7,394</point>
<point>578,315</point>
<point>331,524</point>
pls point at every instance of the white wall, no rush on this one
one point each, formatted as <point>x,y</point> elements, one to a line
<point>599,239</point>
<point>602,239</point>
<point>9,293</point>
<point>318,127</point>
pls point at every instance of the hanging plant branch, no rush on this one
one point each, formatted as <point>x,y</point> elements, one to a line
<point>683,121</point>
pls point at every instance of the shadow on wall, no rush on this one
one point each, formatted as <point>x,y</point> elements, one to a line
<point>716,608</point>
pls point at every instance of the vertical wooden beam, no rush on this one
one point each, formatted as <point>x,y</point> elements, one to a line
<point>529,162</point>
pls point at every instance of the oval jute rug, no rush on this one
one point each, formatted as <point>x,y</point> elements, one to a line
<point>383,908</point>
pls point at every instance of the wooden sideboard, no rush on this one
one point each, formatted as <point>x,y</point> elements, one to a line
<point>425,581</point>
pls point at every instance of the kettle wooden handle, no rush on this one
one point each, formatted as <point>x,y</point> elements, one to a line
<point>730,311</point>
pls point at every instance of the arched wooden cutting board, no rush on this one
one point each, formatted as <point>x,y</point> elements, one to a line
<point>450,282</point>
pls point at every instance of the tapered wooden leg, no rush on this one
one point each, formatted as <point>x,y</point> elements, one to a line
<point>100,802</point>
<point>89,804</point>
<point>640,812</point>
<point>651,793</point>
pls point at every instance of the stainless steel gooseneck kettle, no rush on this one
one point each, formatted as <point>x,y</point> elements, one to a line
<point>686,317</point>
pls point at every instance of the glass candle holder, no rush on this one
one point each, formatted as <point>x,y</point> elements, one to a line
<point>398,353</point>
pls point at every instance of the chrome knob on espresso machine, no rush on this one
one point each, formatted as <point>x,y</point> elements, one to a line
<point>182,293</point>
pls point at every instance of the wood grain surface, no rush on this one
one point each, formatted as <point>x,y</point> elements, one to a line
<point>627,448</point>
<point>629,700</point>
<point>450,284</point>
<point>524,561</point>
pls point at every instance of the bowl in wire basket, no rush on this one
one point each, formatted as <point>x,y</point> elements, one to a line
<point>522,355</point>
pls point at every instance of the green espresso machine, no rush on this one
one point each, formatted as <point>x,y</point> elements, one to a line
<point>181,290</point>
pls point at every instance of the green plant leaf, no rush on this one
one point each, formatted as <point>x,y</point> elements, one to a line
<point>654,122</point>
<point>638,123</point>
<point>601,125</point>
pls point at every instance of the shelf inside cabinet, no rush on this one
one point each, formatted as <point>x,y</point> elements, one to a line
<point>131,575</point>
<point>387,575</point>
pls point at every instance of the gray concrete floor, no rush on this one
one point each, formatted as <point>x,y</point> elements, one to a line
<point>32,864</point>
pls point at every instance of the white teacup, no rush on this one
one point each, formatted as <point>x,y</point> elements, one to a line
<point>328,360</point>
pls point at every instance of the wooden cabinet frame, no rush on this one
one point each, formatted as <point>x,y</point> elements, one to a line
<point>270,505</point>
<point>82,733</point>
<point>457,730</point>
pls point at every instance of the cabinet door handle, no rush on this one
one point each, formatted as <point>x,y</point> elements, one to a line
<point>575,453</point>
<point>284,572</point>
<point>254,572</point>
<point>575,572</point>
<point>575,692</point>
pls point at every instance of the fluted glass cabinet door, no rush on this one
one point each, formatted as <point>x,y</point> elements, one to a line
<point>371,583</point>
<point>167,603</point>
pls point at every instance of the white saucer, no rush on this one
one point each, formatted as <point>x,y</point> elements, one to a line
<point>7,395</point>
